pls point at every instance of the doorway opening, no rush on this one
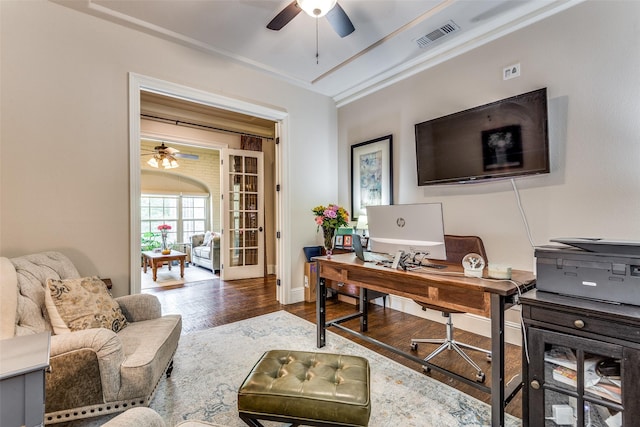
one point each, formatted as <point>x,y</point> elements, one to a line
<point>139,86</point>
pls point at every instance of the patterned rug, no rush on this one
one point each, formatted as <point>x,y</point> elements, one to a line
<point>210,366</point>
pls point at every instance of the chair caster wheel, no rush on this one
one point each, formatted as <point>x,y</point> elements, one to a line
<point>489,358</point>
<point>426,369</point>
<point>414,346</point>
<point>480,377</point>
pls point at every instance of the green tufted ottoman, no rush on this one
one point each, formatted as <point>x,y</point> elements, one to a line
<point>306,388</point>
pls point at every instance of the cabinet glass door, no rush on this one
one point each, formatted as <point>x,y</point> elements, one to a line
<point>578,380</point>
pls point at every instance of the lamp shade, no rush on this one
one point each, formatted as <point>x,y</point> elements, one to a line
<point>316,8</point>
<point>363,223</point>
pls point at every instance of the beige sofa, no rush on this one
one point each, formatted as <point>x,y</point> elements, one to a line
<point>205,250</point>
<point>94,371</point>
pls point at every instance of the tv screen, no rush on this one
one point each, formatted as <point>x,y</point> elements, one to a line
<point>502,139</point>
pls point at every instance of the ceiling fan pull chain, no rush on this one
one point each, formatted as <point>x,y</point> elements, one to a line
<point>317,60</point>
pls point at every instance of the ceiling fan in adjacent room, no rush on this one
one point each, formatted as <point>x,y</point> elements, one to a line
<point>166,157</point>
<point>316,9</point>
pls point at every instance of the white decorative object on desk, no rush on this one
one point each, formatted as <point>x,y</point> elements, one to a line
<point>473,265</point>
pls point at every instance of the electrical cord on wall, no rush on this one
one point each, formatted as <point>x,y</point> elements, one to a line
<point>526,226</point>
<point>524,217</point>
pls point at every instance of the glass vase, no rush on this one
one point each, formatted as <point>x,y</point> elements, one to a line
<point>329,239</point>
<point>165,247</point>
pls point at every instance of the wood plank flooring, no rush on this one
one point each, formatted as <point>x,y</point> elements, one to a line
<point>214,302</point>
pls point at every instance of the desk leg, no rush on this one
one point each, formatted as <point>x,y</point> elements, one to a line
<point>181,267</point>
<point>364,310</point>
<point>145,261</point>
<point>321,305</point>
<point>497,360</point>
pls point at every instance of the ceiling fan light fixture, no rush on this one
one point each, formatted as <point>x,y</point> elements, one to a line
<point>167,161</point>
<point>317,8</point>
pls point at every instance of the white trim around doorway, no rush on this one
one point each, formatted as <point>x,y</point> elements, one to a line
<point>138,83</point>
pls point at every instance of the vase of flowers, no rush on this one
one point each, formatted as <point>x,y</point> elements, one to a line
<point>330,218</point>
<point>164,229</point>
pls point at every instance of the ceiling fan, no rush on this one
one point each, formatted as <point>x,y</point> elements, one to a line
<point>166,157</point>
<point>316,9</point>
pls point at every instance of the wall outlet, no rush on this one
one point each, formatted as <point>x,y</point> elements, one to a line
<point>511,72</point>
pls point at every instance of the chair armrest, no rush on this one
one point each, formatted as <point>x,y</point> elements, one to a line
<point>140,307</point>
<point>108,350</point>
<point>141,416</point>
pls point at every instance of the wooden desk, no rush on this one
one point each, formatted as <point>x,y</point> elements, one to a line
<point>448,289</point>
<point>155,259</point>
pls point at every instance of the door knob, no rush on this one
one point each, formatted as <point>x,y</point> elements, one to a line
<point>535,384</point>
<point>578,323</point>
<point>260,229</point>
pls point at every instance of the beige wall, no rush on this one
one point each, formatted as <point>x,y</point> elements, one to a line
<point>588,58</point>
<point>64,135</point>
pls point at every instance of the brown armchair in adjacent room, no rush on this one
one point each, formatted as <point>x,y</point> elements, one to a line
<point>94,370</point>
<point>457,247</point>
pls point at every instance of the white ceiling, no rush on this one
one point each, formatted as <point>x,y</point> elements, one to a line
<point>381,50</point>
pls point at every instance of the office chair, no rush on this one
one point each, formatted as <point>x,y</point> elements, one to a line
<point>457,247</point>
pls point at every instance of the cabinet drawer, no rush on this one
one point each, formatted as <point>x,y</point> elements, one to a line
<point>587,323</point>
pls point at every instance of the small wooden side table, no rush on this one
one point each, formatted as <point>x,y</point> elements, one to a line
<point>155,259</point>
<point>23,361</point>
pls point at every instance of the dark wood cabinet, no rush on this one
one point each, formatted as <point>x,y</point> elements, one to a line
<point>581,363</point>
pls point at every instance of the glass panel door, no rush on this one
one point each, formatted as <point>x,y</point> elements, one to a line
<point>582,381</point>
<point>243,247</point>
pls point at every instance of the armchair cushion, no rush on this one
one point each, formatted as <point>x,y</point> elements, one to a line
<point>82,303</point>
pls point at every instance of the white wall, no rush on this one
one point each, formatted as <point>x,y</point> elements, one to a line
<point>588,58</point>
<point>64,163</point>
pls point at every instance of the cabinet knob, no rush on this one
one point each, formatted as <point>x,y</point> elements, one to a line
<point>535,384</point>
<point>578,323</point>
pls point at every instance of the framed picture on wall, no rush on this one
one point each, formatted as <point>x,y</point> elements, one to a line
<point>371,174</point>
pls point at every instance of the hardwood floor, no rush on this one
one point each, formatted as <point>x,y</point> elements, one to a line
<point>213,302</point>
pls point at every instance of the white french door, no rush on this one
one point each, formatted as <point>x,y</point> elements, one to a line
<point>242,250</point>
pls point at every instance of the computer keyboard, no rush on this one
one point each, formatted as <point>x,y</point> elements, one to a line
<point>438,266</point>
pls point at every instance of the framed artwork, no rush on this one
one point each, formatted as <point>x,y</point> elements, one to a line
<point>347,241</point>
<point>371,174</point>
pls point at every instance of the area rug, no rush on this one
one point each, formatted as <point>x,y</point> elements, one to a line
<point>166,277</point>
<point>210,366</point>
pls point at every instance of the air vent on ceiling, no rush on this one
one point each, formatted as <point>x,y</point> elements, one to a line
<point>449,28</point>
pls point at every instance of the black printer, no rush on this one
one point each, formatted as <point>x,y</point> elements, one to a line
<point>600,269</point>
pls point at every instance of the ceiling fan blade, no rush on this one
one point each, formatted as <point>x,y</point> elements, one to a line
<point>285,16</point>
<point>186,156</point>
<point>340,21</point>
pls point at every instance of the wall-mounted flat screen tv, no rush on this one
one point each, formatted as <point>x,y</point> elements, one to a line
<point>502,139</point>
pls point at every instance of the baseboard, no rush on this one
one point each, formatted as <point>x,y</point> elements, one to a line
<point>466,321</point>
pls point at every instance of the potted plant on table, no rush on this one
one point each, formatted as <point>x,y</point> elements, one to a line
<point>330,218</point>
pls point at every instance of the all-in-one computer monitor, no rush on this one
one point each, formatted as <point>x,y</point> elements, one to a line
<point>411,228</point>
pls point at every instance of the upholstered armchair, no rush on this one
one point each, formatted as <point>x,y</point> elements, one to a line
<point>205,250</point>
<point>94,371</point>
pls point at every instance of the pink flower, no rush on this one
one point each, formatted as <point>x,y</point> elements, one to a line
<point>164,227</point>
<point>330,213</point>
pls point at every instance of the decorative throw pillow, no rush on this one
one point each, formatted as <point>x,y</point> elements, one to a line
<point>207,238</point>
<point>83,303</point>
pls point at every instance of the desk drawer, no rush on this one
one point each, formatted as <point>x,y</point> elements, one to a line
<point>586,323</point>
